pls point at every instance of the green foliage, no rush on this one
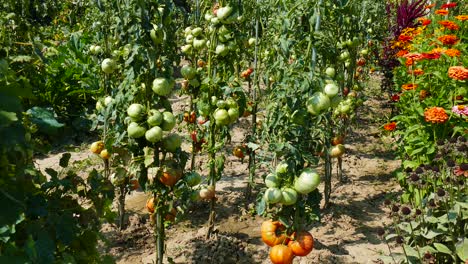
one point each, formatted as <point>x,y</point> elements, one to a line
<point>42,220</point>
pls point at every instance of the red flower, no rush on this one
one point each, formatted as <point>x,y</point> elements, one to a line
<point>390,126</point>
<point>405,38</point>
<point>431,55</point>
<point>424,21</point>
<point>395,98</point>
<point>449,5</point>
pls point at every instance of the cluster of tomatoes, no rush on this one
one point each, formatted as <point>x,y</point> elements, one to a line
<point>285,247</point>
<point>279,190</point>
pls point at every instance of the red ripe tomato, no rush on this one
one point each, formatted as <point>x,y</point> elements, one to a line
<point>281,254</point>
<point>361,62</point>
<point>193,136</point>
<point>302,243</point>
<point>273,233</point>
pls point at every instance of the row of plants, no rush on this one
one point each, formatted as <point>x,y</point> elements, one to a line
<point>430,129</point>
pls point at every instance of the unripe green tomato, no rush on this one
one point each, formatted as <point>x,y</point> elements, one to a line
<point>273,195</point>
<point>187,49</point>
<point>172,142</point>
<point>289,196</point>
<point>155,118</point>
<point>135,131</point>
<point>168,122</point>
<point>271,180</point>
<point>197,31</point>
<point>154,134</point>
<point>233,114</point>
<point>330,72</point>
<point>108,65</point>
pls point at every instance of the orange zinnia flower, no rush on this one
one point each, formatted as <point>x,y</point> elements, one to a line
<point>424,21</point>
<point>449,5</point>
<point>409,62</point>
<point>452,53</point>
<point>390,126</point>
<point>401,53</point>
<point>442,12</point>
<point>414,56</point>
<point>458,73</point>
<point>416,72</point>
<point>449,25</point>
<point>409,86</point>
<point>435,115</point>
<point>429,6</point>
<point>448,39</point>
<point>462,17</point>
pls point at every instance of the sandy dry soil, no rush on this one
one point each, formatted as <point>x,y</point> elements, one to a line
<point>346,233</point>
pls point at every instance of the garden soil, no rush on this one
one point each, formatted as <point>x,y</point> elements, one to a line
<point>345,234</point>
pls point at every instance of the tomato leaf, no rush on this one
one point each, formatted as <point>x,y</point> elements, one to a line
<point>442,248</point>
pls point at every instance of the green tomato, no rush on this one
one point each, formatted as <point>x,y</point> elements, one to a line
<point>187,49</point>
<point>108,100</point>
<point>162,86</point>
<point>289,196</point>
<point>224,12</point>
<point>154,134</point>
<point>221,117</point>
<point>231,103</point>
<point>307,181</point>
<point>273,195</point>
<point>252,42</point>
<point>221,50</point>
<point>331,90</point>
<point>188,72</point>
<point>193,178</point>
<point>233,114</point>
<point>282,168</point>
<point>168,121</point>
<point>135,131</point>
<point>317,103</point>
<point>344,55</point>
<point>199,44</point>
<point>155,118</point>
<point>221,104</point>
<point>108,66</point>
<point>136,111</point>
<point>172,142</point>
<point>330,72</point>
<point>271,180</point>
<point>197,31</point>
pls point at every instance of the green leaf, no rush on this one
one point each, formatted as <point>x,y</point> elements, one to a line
<point>410,251</point>
<point>430,234</point>
<point>7,118</point>
<point>45,120</point>
<point>462,249</point>
<point>64,160</point>
<point>442,248</point>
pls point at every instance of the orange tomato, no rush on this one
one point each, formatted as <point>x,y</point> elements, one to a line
<point>281,254</point>
<point>302,243</point>
<point>273,233</point>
